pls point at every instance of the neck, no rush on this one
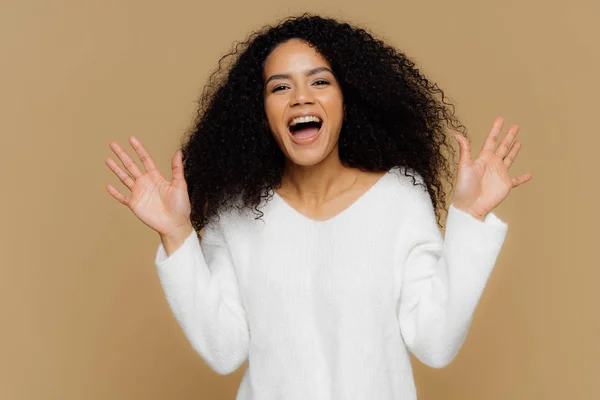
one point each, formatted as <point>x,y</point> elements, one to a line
<point>316,184</point>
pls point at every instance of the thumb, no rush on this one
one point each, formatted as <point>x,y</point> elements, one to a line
<point>177,170</point>
<point>465,150</point>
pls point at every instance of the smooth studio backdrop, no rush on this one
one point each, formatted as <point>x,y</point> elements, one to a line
<point>83,313</point>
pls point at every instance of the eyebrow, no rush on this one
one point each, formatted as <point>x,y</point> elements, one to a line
<point>308,73</point>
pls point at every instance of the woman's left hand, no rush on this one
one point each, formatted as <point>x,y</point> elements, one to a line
<point>484,183</point>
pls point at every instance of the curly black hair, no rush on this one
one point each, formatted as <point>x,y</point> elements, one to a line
<point>395,117</point>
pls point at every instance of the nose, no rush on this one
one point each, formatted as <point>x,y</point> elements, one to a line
<point>301,95</point>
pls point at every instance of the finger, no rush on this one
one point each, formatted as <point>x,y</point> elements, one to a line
<point>465,151</point>
<point>141,151</point>
<point>122,175</point>
<point>521,179</point>
<point>126,160</point>
<point>514,150</point>
<point>117,195</point>
<point>177,166</point>
<point>490,141</point>
<point>506,142</point>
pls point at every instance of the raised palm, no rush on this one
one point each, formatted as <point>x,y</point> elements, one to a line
<point>162,205</point>
<point>485,182</point>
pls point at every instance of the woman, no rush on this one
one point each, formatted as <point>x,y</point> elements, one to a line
<point>315,171</point>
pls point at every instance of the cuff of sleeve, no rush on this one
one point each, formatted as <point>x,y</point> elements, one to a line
<point>161,259</point>
<point>472,231</point>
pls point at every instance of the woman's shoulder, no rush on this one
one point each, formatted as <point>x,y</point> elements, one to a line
<point>405,178</point>
<point>237,214</point>
<point>410,194</point>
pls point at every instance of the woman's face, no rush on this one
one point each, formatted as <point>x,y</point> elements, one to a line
<point>299,83</point>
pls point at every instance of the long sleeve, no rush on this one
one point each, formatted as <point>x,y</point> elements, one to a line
<point>443,279</point>
<point>201,289</point>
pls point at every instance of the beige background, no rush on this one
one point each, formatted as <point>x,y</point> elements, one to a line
<point>83,314</point>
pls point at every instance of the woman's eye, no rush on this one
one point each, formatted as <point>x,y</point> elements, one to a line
<point>281,87</point>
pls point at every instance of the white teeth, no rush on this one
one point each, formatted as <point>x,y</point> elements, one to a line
<point>309,118</point>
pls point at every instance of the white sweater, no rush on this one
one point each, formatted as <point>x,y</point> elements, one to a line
<point>330,309</point>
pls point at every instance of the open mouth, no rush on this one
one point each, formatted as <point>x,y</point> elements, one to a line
<point>304,128</point>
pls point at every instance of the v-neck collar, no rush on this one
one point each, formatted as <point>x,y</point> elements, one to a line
<point>355,204</point>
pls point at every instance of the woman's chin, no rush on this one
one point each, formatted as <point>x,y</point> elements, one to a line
<point>306,157</point>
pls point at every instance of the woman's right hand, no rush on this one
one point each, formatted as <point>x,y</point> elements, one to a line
<point>162,205</point>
